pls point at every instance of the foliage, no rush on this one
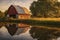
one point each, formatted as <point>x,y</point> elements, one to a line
<point>1,14</point>
<point>44,8</point>
<point>5,13</point>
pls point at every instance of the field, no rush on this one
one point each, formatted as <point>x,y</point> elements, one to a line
<point>46,19</point>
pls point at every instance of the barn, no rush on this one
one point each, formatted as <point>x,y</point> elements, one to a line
<point>18,12</point>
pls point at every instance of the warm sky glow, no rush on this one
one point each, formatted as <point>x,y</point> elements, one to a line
<point>4,4</point>
<point>59,0</point>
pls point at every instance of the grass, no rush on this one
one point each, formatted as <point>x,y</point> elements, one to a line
<point>42,23</point>
<point>49,23</point>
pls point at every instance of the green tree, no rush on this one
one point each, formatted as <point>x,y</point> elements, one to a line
<point>57,5</point>
<point>5,13</point>
<point>44,8</point>
<point>1,14</point>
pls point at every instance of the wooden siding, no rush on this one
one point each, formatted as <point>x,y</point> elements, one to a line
<point>23,16</point>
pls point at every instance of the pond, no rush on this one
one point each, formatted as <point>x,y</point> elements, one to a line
<point>21,31</point>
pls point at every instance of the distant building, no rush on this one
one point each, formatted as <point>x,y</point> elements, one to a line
<point>18,12</point>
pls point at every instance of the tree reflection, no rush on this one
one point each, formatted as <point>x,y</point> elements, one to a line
<point>44,34</point>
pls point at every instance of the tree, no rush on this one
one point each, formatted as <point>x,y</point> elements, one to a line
<point>44,8</point>
<point>5,13</point>
<point>58,8</point>
<point>1,14</point>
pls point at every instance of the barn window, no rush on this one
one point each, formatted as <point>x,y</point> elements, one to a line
<point>13,16</point>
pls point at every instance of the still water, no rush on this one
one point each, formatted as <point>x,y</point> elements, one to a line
<point>13,32</point>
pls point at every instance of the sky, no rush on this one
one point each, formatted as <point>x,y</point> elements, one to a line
<point>4,4</point>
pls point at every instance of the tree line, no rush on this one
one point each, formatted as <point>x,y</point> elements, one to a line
<point>1,14</point>
<point>45,8</point>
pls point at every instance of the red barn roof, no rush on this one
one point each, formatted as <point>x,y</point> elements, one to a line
<point>15,9</point>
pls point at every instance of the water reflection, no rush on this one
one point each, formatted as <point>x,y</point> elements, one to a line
<point>44,34</point>
<point>12,28</point>
<point>16,28</point>
<point>21,30</point>
<point>4,35</point>
<point>21,34</point>
<point>25,32</point>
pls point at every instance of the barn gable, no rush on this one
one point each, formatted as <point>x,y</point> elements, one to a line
<point>12,10</point>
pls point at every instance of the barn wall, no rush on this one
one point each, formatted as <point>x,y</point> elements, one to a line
<point>23,16</point>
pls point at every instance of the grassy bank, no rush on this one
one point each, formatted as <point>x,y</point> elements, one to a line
<point>35,22</point>
<point>42,23</point>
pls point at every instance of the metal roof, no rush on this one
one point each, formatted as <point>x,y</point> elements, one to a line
<point>21,10</point>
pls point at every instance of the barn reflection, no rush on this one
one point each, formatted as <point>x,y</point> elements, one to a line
<point>16,29</point>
